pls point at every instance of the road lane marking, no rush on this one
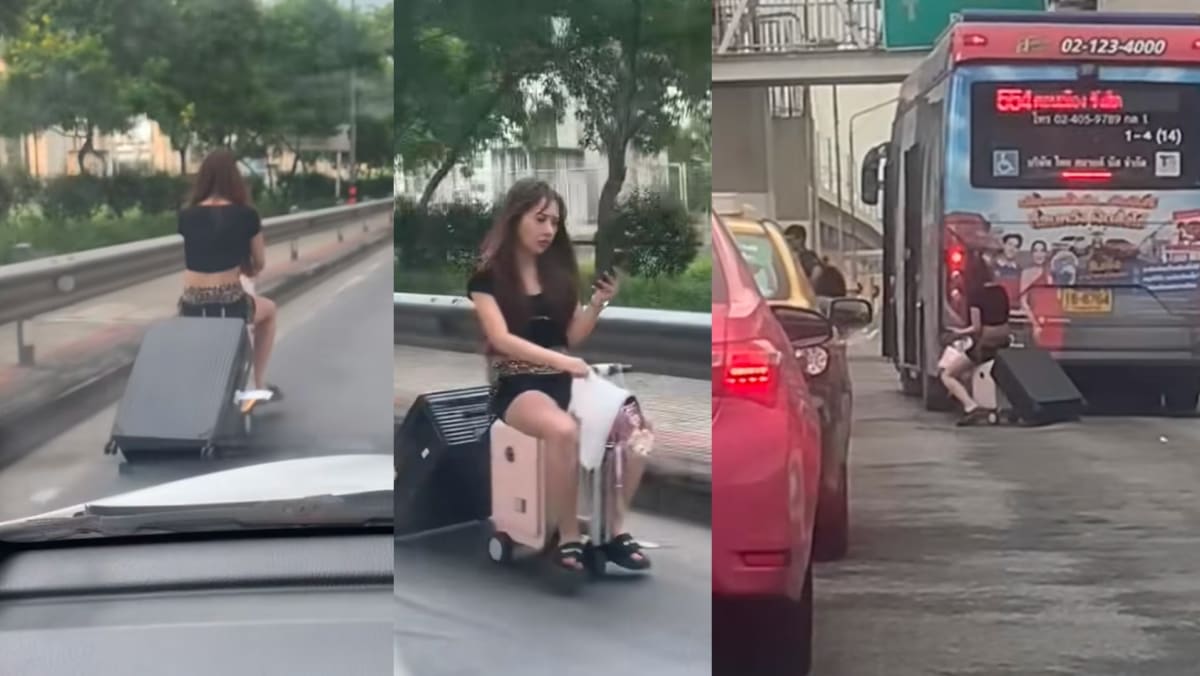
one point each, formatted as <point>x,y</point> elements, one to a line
<point>349,282</point>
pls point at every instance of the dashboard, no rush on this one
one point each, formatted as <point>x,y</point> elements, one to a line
<point>317,604</point>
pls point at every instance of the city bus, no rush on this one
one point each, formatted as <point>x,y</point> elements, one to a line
<point>1063,152</point>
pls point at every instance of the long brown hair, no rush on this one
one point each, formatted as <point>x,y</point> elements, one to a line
<point>219,177</point>
<point>557,268</point>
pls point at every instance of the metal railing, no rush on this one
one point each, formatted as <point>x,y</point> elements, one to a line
<point>665,342</point>
<point>44,285</point>
<point>758,26</point>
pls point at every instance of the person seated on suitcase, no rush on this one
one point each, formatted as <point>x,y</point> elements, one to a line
<point>988,308</point>
<point>526,292</point>
<point>222,240</point>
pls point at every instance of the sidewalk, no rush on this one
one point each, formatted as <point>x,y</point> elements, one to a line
<point>679,409</point>
<point>78,346</point>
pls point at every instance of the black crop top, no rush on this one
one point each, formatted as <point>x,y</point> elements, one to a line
<point>217,238</point>
<point>992,302</point>
<point>540,330</point>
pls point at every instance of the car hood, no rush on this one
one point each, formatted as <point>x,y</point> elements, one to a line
<point>270,481</point>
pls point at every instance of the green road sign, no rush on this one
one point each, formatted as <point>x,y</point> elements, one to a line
<point>916,24</point>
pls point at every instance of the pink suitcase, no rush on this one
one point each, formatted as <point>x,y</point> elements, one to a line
<point>518,490</point>
<point>520,514</point>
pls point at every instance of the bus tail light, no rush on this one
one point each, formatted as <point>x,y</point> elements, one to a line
<point>975,40</point>
<point>956,282</point>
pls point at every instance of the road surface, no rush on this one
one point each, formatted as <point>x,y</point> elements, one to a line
<point>1071,549</point>
<point>331,359</point>
<point>459,614</point>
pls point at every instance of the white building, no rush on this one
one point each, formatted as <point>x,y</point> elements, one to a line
<point>553,152</point>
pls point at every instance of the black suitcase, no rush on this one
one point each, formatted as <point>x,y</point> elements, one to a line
<point>1038,389</point>
<point>180,398</point>
<point>443,470</point>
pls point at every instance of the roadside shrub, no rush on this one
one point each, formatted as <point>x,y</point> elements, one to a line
<point>440,235</point>
<point>308,190</point>
<point>151,193</point>
<point>376,187</point>
<point>656,233</point>
<point>72,196</point>
<point>49,235</point>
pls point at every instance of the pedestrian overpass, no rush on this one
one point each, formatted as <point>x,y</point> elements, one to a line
<point>763,43</point>
<point>766,155</point>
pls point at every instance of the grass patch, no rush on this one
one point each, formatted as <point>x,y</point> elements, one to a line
<point>690,291</point>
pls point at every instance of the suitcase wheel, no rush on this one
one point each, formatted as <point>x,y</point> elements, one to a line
<point>500,548</point>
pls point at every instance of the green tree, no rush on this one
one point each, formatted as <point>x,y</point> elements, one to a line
<point>462,72</point>
<point>692,148</point>
<point>61,77</point>
<point>635,68</point>
<point>80,65</point>
<point>376,141</point>
<point>311,49</point>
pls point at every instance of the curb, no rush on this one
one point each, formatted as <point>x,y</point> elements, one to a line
<point>664,493</point>
<point>87,388</point>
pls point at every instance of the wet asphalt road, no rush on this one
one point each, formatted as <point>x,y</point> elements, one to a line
<point>332,358</point>
<point>1072,549</point>
<point>459,614</point>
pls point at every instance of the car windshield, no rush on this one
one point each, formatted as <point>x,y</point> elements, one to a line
<point>195,240</point>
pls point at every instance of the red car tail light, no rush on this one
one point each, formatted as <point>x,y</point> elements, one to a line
<point>747,370</point>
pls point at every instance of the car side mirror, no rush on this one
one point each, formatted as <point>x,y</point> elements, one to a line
<point>849,314</point>
<point>804,328</point>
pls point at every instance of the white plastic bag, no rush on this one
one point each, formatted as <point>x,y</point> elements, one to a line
<point>955,353</point>
<point>595,401</point>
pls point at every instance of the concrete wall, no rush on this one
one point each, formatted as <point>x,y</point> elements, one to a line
<point>792,161</point>
<point>762,159</point>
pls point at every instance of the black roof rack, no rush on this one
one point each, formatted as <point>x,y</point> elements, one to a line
<point>1094,18</point>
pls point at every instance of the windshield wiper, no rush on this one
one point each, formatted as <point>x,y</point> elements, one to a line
<point>361,510</point>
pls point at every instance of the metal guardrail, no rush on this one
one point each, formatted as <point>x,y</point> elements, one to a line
<point>665,342</point>
<point>34,287</point>
<point>763,26</point>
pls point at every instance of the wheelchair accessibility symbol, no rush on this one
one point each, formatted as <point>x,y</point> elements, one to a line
<point>1006,163</point>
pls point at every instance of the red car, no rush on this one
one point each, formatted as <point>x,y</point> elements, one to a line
<point>766,437</point>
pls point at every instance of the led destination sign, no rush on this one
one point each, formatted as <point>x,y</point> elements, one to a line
<point>1119,135</point>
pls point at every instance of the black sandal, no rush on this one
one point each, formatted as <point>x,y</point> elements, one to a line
<point>625,552</point>
<point>973,417</point>
<point>276,393</point>
<point>568,551</point>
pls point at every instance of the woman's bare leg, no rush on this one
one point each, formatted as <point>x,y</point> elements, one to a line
<point>536,414</point>
<point>951,379</point>
<point>265,313</point>
<point>634,468</point>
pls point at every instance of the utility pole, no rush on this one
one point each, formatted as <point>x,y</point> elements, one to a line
<point>353,115</point>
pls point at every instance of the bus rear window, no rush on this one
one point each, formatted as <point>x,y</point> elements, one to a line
<point>1100,134</point>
